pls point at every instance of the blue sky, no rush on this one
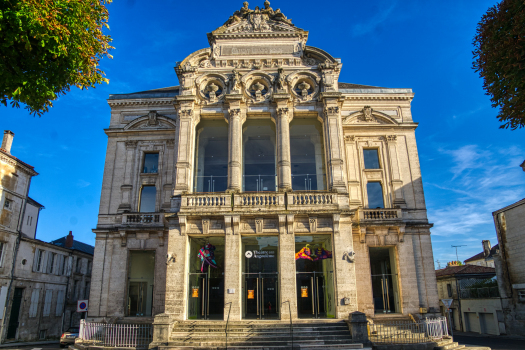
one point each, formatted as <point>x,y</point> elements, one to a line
<point>470,167</point>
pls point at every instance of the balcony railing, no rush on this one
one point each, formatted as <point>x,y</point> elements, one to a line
<point>150,219</point>
<point>380,214</point>
<point>321,200</point>
<point>211,201</point>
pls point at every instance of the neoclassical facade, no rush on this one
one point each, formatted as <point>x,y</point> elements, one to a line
<point>261,187</point>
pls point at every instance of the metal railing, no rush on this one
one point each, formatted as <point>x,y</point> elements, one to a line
<point>142,218</point>
<point>479,293</point>
<point>226,327</point>
<point>116,335</point>
<point>408,332</point>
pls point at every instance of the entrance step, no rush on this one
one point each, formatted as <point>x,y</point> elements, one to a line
<point>307,334</point>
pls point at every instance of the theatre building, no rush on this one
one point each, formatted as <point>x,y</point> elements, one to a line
<point>261,188</point>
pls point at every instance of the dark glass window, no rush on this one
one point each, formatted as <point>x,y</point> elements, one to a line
<point>151,163</point>
<point>211,156</point>
<point>375,195</point>
<point>371,159</point>
<point>449,290</point>
<point>259,155</point>
<point>147,199</point>
<point>307,155</point>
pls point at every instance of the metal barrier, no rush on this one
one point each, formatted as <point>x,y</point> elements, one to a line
<point>116,335</point>
<point>407,332</point>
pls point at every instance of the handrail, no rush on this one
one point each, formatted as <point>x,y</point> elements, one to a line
<point>226,328</point>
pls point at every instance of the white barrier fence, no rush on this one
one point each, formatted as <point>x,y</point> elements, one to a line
<point>406,332</point>
<point>116,335</point>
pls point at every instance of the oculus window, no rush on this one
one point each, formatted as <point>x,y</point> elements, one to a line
<point>259,172</point>
<point>375,195</point>
<point>371,158</point>
<point>307,155</point>
<point>147,199</point>
<point>151,163</point>
<point>211,156</point>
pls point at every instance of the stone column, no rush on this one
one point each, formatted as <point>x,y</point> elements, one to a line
<point>397,183</point>
<point>284,168</point>
<point>354,183</point>
<point>187,119</point>
<point>287,275</point>
<point>235,149</point>
<point>333,130</point>
<point>232,269</point>
<point>176,269</point>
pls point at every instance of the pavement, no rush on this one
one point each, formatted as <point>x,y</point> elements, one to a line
<point>495,342</point>
<point>38,345</point>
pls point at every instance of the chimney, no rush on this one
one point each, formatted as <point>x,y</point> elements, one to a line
<point>7,141</point>
<point>486,247</point>
<point>69,240</point>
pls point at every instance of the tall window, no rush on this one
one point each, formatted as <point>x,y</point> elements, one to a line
<point>2,245</point>
<point>148,195</point>
<point>151,163</point>
<point>51,262</point>
<point>140,283</point>
<point>259,173</point>
<point>79,265</point>
<point>307,155</point>
<point>39,256</point>
<point>449,290</point>
<point>375,195</point>
<point>211,156</point>
<point>371,158</point>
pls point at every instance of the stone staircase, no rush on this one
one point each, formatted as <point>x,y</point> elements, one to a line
<point>307,335</point>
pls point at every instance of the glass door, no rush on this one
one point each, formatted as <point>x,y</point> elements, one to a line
<point>206,279</point>
<point>385,291</point>
<point>260,277</point>
<point>205,299</point>
<point>314,276</point>
<point>261,296</point>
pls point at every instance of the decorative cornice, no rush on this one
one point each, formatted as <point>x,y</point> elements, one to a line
<point>140,102</point>
<point>377,97</point>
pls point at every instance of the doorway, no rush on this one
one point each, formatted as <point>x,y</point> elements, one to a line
<point>15,312</point>
<point>385,288</point>
<point>314,276</point>
<point>260,277</point>
<point>140,283</point>
<point>206,279</point>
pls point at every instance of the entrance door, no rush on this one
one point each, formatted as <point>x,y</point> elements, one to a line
<point>15,311</point>
<point>206,297</point>
<point>136,298</point>
<point>385,290</point>
<point>261,296</point>
<point>311,294</point>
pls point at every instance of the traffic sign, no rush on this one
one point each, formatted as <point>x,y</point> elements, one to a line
<point>82,305</point>
<point>447,302</point>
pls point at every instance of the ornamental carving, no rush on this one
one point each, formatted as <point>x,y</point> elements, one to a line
<point>211,87</point>
<point>283,112</point>
<point>258,86</point>
<point>235,113</point>
<point>257,20</point>
<point>391,138</point>
<point>305,85</point>
<point>367,114</point>
<point>331,111</point>
<point>131,144</point>
<point>186,113</point>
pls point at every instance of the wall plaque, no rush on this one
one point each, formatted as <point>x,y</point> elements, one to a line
<point>250,50</point>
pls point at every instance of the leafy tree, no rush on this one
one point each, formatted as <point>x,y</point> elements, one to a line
<point>499,57</point>
<point>47,46</point>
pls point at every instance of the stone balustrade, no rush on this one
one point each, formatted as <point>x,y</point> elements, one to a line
<point>206,202</point>
<point>379,214</point>
<point>319,200</point>
<point>260,199</point>
<point>151,219</point>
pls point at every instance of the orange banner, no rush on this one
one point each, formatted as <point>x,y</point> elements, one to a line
<point>304,292</point>
<point>251,294</point>
<point>195,293</point>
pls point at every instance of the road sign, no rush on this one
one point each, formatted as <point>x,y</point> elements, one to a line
<point>447,302</point>
<point>82,306</point>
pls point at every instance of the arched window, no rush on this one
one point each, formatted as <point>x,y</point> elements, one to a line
<point>307,155</point>
<point>259,172</point>
<point>211,156</point>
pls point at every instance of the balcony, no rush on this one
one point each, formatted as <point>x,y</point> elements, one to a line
<point>379,215</point>
<point>258,201</point>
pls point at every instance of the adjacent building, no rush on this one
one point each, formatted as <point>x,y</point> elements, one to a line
<point>261,182</point>
<point>486,257</point>
<point>510,264</point>
<point>40,282</point>
<point>476,305</point>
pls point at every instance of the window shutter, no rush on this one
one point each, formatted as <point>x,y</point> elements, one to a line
<point>35,260</point>
<point>60,302</point>
<point>47,302</point>
<point>60,263</point>
<point>43,265</point>
<point>3,296</point>
<point>34,302</point>
<point>49,268</point>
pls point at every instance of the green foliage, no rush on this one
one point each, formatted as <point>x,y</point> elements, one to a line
<point>47,46</point>
<point>499,57</point>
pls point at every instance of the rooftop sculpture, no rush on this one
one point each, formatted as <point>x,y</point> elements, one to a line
<point>267,13</point>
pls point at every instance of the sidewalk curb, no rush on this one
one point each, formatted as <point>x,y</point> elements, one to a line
<point>20,344</point>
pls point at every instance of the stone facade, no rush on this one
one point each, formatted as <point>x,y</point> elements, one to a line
<point>259,73</point>
<point>510,262</point>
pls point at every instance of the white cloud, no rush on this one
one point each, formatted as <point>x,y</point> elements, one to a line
<point>83,183</point>
<point>374,21</point>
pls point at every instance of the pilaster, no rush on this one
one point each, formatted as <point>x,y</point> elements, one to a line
<point>232,269</point>
<point>237,116</point>
<point>284,168</point>
<point>397,183</point>
<point>176,272</point>
<point>346,291</point>
<point>287,275</point>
